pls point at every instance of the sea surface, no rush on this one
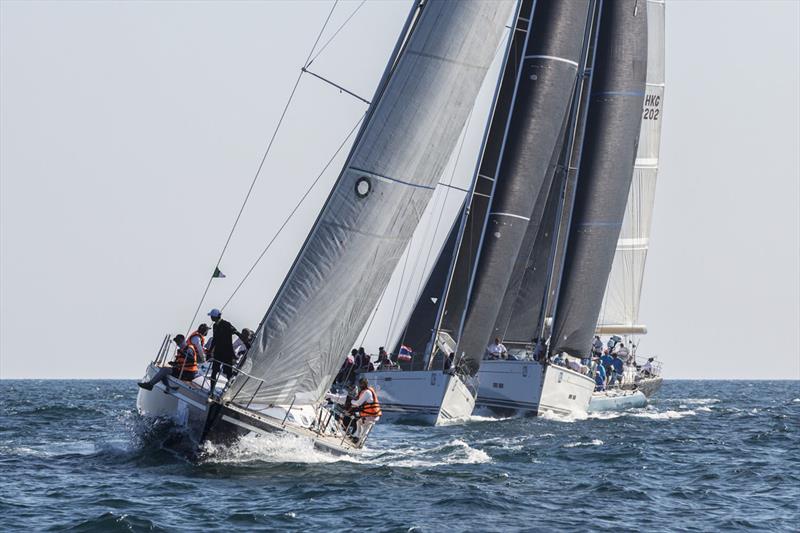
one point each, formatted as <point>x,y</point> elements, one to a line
<point>705,455</point>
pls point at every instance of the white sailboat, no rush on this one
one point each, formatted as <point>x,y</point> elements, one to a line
<point>413,122</point>
<point>619,313</point>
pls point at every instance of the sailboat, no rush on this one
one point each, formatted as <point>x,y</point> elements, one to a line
<point>420,106</point>
<point>551,305</point>
<point>619,314</point>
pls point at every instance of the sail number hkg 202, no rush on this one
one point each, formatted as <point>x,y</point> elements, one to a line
<point>651,107</point>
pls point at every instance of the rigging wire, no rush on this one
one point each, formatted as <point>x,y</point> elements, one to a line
<point>447,188</point>
<point>324,46</point>
<point>263,159</point>
<point>439,220</point>
<point>296,207</point>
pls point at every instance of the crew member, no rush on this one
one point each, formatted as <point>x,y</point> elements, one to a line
<point>600,378</point>
<point>496,350</point>
<point>183,367</point>
<point>367,407</point>
<point>198,339</point>
<point>222,351</point>
<point>647,368</point>
<point>619,370</point>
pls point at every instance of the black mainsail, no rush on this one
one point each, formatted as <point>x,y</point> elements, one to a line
<point>609,150</point>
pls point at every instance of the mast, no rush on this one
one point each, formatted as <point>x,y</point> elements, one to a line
<point>545,84</point>
<point>609,149</point>
<point>620,309</point>
<point>370,215</point>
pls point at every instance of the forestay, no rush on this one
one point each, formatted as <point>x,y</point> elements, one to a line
<point>370,215</point>
<point>620,310</point>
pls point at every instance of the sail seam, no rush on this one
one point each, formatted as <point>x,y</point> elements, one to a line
<point>391,180</point>
<point>553,58</point>
<point>446,60</point>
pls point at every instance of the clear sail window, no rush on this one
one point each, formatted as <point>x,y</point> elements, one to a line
<point>363,187</point>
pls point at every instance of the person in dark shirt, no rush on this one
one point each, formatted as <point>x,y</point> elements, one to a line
<point>222,352</point>
<point>619,370</point>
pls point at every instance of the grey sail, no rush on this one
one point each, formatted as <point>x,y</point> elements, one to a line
<point>609,151</point>
<point>545,86</point>
<point>449,279</point>
<point>620,310</point>
<point>520,313</point>
<point>370,215</point>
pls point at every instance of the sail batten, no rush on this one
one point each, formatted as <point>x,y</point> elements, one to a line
<point>372,211</point>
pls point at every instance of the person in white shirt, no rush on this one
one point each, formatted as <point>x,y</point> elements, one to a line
<point>496,350</point>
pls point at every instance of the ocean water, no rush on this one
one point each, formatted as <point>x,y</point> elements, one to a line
<point>705,455</point>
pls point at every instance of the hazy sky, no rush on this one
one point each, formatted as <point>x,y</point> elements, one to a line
<point>129,133</point>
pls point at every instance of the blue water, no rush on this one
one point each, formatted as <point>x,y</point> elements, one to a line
<point>705,455</point>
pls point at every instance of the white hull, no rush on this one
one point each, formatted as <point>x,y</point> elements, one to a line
<point>426,396</point>
<point>616,400</point>
<point>528,386</point>
<point>190,408</point>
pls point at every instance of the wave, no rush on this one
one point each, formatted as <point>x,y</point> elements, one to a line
<point>593,442</point>
<point>110,521</point>
<point>274,448</point>
<point>455,451</point>
<point>572,417</point>
<point>664,415</point>
<point>695,401</point>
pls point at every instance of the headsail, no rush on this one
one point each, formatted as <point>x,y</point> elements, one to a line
<point>389,177</point>
<point>620,310</point>
<point>610,147</point>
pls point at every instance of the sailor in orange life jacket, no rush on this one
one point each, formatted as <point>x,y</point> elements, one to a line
<point>184,366</point>
<point>367,407</point>
<point>198,339</point>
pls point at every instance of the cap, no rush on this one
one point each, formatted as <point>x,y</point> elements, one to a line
<point>214,313</point>
<point>179,338</point>
<point>202,327</point>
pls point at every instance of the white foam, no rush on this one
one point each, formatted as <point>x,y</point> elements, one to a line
<point>664,415</point>
<point>572,417</point>
<point>277,448</point>
<point>697,401</point>
<point>605,415</point>
<point>456,452</point>
<point>594,442</point>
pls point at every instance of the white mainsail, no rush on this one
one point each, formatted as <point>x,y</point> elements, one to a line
<point>387,182</point>
<point>620,310</point>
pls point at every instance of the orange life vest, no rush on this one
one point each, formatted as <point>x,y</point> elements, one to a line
<point>196,333</point>
<point>189,368</point>
<point>372,408</point>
